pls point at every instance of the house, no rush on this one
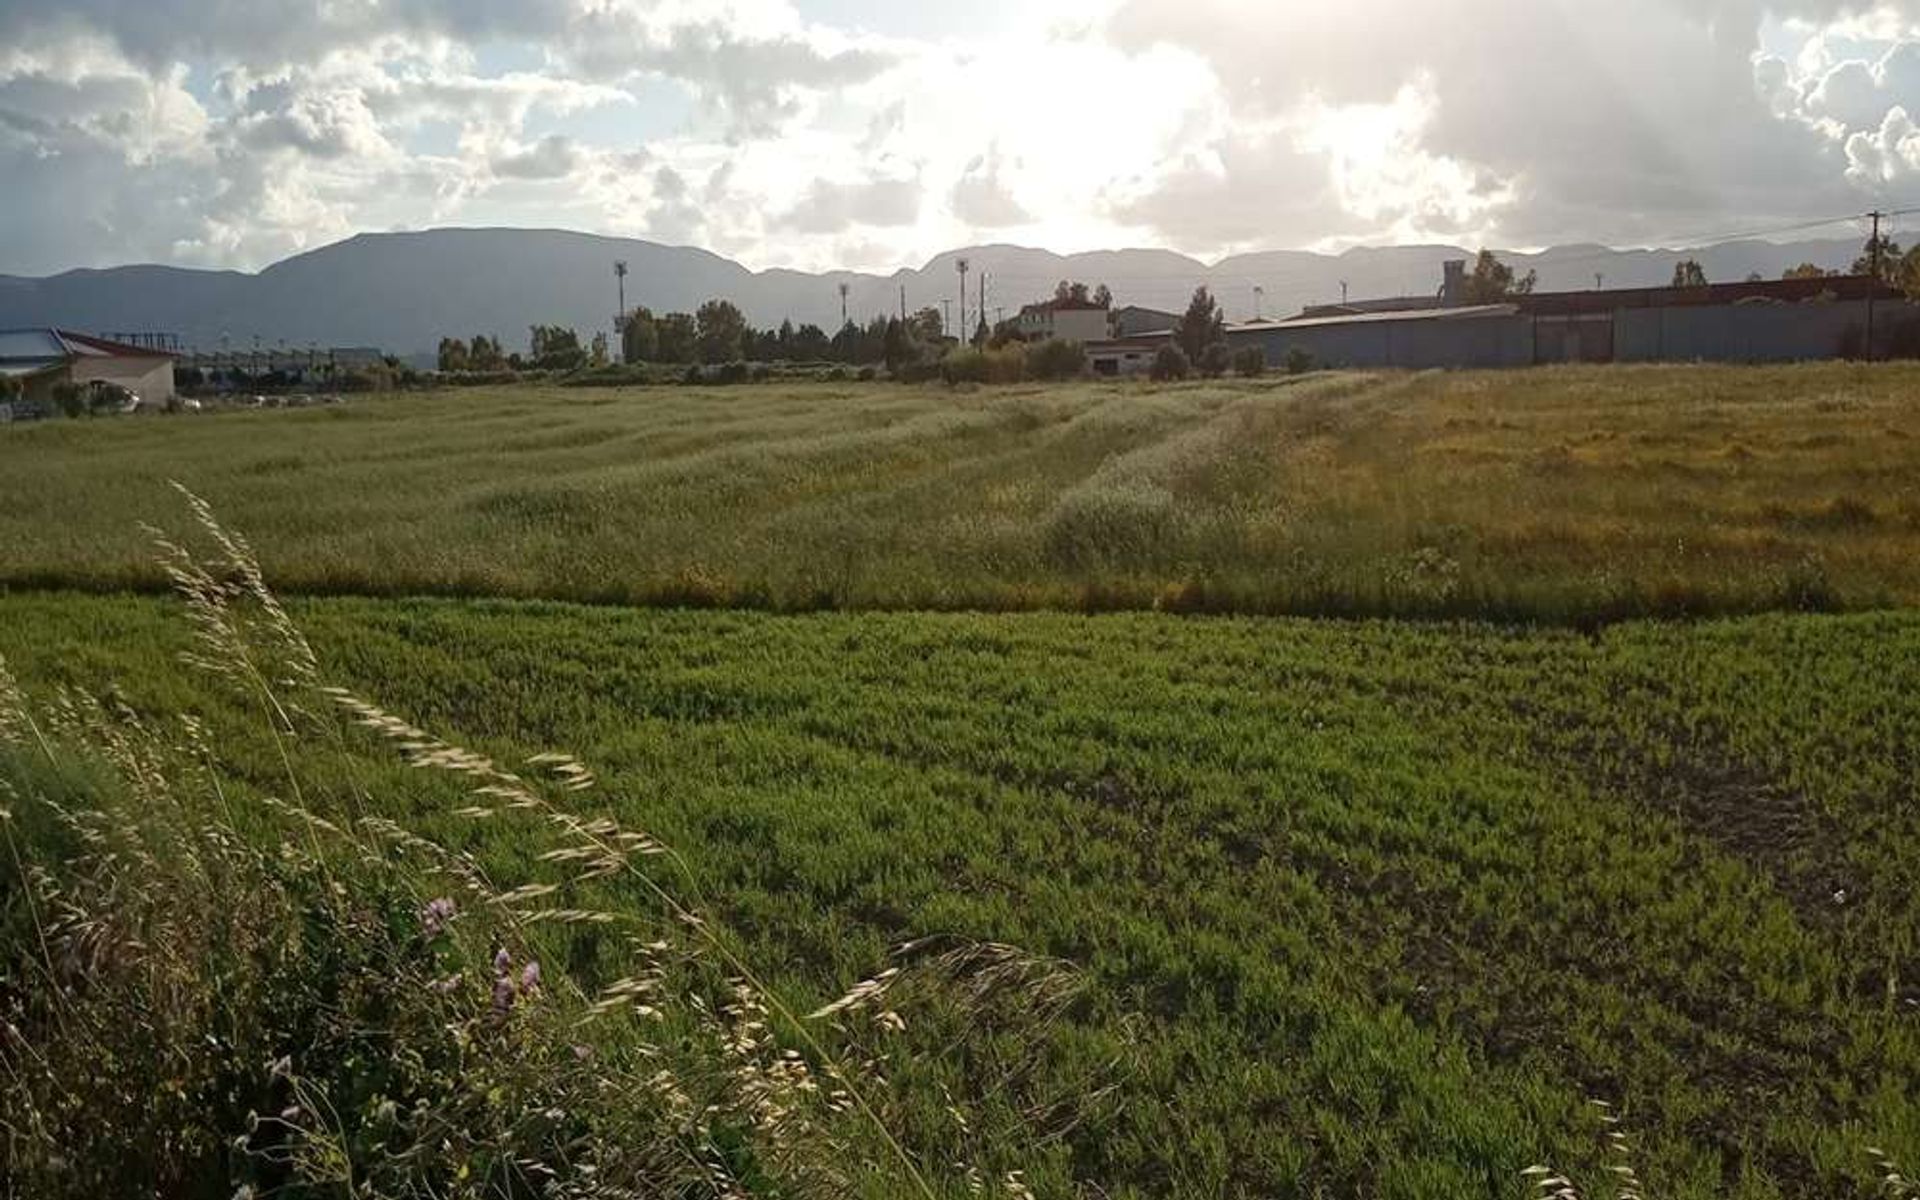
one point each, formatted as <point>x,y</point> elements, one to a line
<point>1069,320</point>
<point>1124,356</point>
<point>42,359</point>
<point>1133,321</point>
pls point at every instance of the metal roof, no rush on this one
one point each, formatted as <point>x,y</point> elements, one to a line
<point>59,345</point>
<point>31,345</point>
<point>1467,313</point>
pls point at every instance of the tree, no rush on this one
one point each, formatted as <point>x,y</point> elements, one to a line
<point>485,354</point>
<point>810,344</point>
<point>1806,271</point>
<point>927,325</point>
<point>1689,274</point>
<point>1755,277</point>
<point>1890,259</point>
<point>1201,326</point>
<point>1169,364</point>
<point>556,348</point>
<point>1103,296</point>
<point>1216,361</point>
<point>721,331</point>
<point>677,338</point>
<point>640,340</point>
<point>982,333</point>
<point>1908,278</point>
<point>1250,362</point>
<point>1056,358</point>
<point>1494,282</point>
<point>899,346</point>
<point>597,356</point>
<point>453,355</point>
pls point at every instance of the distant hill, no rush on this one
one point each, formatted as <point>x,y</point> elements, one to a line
<point>404,291</point>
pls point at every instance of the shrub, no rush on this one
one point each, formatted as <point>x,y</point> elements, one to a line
<point>921,371</point>
<point>69,399</point>
<point>1217,359</point>
<point>1056,359</point>
<point>733,372</point>
<point>1299,361</point>
<point>1170,364</point>
<point>693,377</point>
<point>867,375</point>
<point>1250,363</point>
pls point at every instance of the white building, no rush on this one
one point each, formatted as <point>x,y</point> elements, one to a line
<point>1069,320</point>
<point>42,359</point>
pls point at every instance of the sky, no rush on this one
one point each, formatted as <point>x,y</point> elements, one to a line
<point>822,134</point>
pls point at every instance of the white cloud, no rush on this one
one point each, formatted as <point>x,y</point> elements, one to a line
<point>234,131</point>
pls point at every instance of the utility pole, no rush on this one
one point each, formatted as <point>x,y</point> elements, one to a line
<point>1599,281</point>
<point>903,304</point>
<point>983,297</point>
<point>620,321</point>
<point>962,267</point>
<point>1343,292</point>
<point>1259,295</point>
<point>1873,254</point>
<point>844,289</point>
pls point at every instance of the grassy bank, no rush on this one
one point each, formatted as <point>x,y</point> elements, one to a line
<point>1563,495</point>
<point>1363,909</point>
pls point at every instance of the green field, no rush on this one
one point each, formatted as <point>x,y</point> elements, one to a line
<point>1574,494</point>
<point>1369,908</point>
<point>1363,907</point>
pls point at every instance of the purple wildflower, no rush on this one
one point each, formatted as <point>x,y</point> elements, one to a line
<point>502,962</point>
<point>435,916</point>
<point>530,977</point>
<point>502,997</point>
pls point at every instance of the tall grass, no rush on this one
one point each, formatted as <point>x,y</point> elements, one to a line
<point>205,988</point>
<point>1578,494</point>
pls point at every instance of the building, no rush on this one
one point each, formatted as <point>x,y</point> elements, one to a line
<point>1134,321</point>
<point>42,359</point>
<point>1069,320</point>
<point>1487,335</point>
<point>1115,357</point>
<point>1759,321</point>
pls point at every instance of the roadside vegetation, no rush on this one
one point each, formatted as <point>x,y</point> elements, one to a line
<point>1562,495</point>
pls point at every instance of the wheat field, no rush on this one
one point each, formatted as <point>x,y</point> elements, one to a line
<point>1564,494</point>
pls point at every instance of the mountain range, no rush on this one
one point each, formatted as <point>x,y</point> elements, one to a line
<point>403,292</point>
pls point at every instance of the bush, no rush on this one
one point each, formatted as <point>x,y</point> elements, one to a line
<point>1216,360</point>
<point>1006,365</point>
<point>69,399</point>
<point>1299,362</point>
<point>1170,364</point>
<point>867,375</point>
<point>693,377</point>
<point>1250,363</point>
<point>733,372</point>
<point>1055,359</point>
<point>921,371</point>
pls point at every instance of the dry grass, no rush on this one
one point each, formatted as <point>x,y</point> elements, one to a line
<point>1563,493</point>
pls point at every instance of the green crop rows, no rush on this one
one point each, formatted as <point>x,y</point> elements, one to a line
<point>1370,909</point>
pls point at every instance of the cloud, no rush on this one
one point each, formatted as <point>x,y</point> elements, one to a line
<point>233,131</point>
<point>552,157</point>
<point>830,207</point>
<point>983,199</point>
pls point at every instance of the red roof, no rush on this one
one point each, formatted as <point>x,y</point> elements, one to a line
<point>111,349</point>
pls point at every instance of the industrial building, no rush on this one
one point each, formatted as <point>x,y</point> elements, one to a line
<point>1069,320</point>
<point>1758,321</point>
<point>43,359</point>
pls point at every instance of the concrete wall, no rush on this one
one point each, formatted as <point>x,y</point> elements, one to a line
<point>1504,341</point>
<point>151,377</point>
